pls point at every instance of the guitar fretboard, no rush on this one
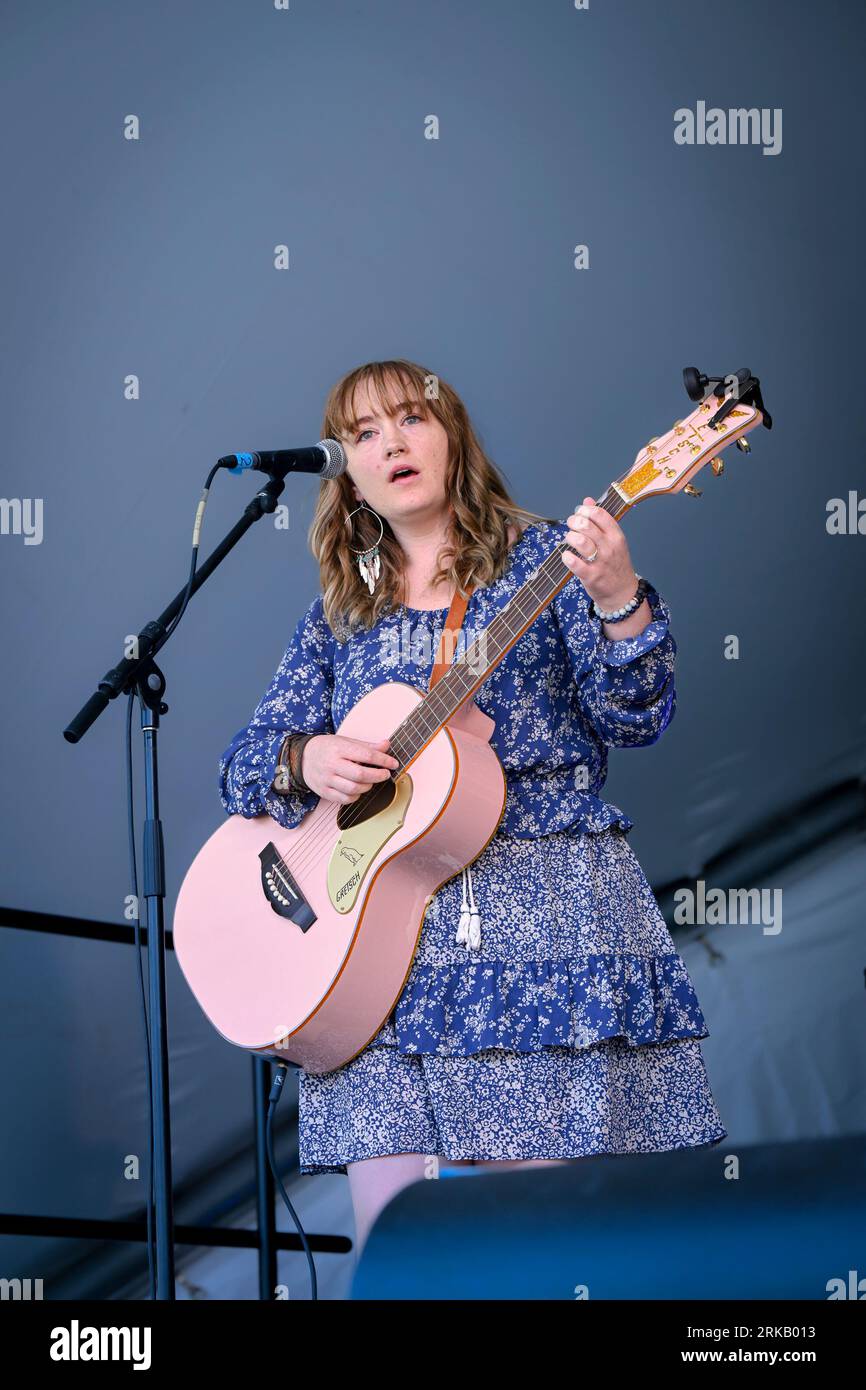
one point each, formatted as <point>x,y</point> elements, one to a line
<point>470,671</point>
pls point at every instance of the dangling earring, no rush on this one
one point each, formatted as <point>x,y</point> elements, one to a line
<point>368,560</point>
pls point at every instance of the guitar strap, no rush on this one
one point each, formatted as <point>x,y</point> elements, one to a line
<point>469,927</point>
<point>453,624</point>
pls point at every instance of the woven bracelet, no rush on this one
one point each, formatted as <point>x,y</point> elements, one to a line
<point>296,751</point>
<point>288,776</point>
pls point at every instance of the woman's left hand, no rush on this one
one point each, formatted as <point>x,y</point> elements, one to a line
<point>610,578</point>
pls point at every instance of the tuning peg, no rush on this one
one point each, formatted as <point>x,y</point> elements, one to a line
<point>744,445</point>
<point>693,491</point>
<point>718,466</point>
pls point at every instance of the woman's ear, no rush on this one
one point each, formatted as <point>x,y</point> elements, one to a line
<point>351,481</point>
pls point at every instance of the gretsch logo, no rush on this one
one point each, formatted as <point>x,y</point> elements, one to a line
<point>349,884</point>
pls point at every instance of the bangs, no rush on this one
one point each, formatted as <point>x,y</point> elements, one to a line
<point>392,388</point>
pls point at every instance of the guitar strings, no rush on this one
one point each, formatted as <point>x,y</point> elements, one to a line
<point>319,835</point>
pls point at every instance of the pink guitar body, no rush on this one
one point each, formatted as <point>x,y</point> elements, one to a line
<point>315,996</point>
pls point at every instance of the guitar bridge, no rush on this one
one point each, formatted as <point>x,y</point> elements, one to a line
<point>281,889</point>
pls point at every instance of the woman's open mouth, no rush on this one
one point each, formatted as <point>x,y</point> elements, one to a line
<point>404,475</point>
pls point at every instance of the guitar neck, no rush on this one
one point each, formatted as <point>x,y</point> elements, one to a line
<point>728,408</point>
<point>479,660</point>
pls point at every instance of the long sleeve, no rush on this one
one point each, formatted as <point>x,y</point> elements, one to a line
<point>298,700</point>
<point>626,687</point>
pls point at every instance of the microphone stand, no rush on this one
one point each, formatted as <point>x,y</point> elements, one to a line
<point>142,675</point>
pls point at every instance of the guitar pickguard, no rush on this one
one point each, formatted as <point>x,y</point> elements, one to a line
<point>359,844</point>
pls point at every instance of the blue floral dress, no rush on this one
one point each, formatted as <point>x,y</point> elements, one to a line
<point>572,1027</point>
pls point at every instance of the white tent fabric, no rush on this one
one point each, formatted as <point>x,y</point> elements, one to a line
<point>785,1053</point>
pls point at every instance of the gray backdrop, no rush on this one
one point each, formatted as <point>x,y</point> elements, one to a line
<point>154,257</point>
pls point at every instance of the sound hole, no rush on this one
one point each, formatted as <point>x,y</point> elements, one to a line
<point>377,798</point>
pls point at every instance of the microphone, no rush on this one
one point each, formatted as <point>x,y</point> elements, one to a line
<point>326,458</point>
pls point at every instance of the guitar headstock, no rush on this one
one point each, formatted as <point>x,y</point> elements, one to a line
<point>727,412</point>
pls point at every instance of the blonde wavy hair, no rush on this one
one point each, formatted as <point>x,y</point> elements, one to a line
<point>483,511</point>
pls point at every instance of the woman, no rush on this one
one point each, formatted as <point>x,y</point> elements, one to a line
<point>560,1022</point>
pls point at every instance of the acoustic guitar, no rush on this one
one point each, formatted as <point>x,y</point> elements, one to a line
<point>297,943</point>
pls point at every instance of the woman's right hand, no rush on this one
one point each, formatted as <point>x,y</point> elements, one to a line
<point>333,766</point>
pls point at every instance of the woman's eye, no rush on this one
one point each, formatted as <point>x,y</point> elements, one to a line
<point>405,418</point>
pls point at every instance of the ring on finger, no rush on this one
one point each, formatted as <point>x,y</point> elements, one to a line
<point>587,559</point>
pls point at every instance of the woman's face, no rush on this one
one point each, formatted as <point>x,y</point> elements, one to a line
<point>381,444</point>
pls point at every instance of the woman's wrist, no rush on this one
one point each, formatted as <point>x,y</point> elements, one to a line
<point>289,775</point>
<point>282,781</point>
<point>621,604</point>
<point>630,626</point>
<point>627,614</point>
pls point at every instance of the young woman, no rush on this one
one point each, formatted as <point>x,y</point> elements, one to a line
<point>563,1022</point>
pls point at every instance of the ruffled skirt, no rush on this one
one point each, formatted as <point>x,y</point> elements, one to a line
<point>572,1027</point>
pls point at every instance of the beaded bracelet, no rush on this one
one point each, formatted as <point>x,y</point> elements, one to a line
<point>619,613</point>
